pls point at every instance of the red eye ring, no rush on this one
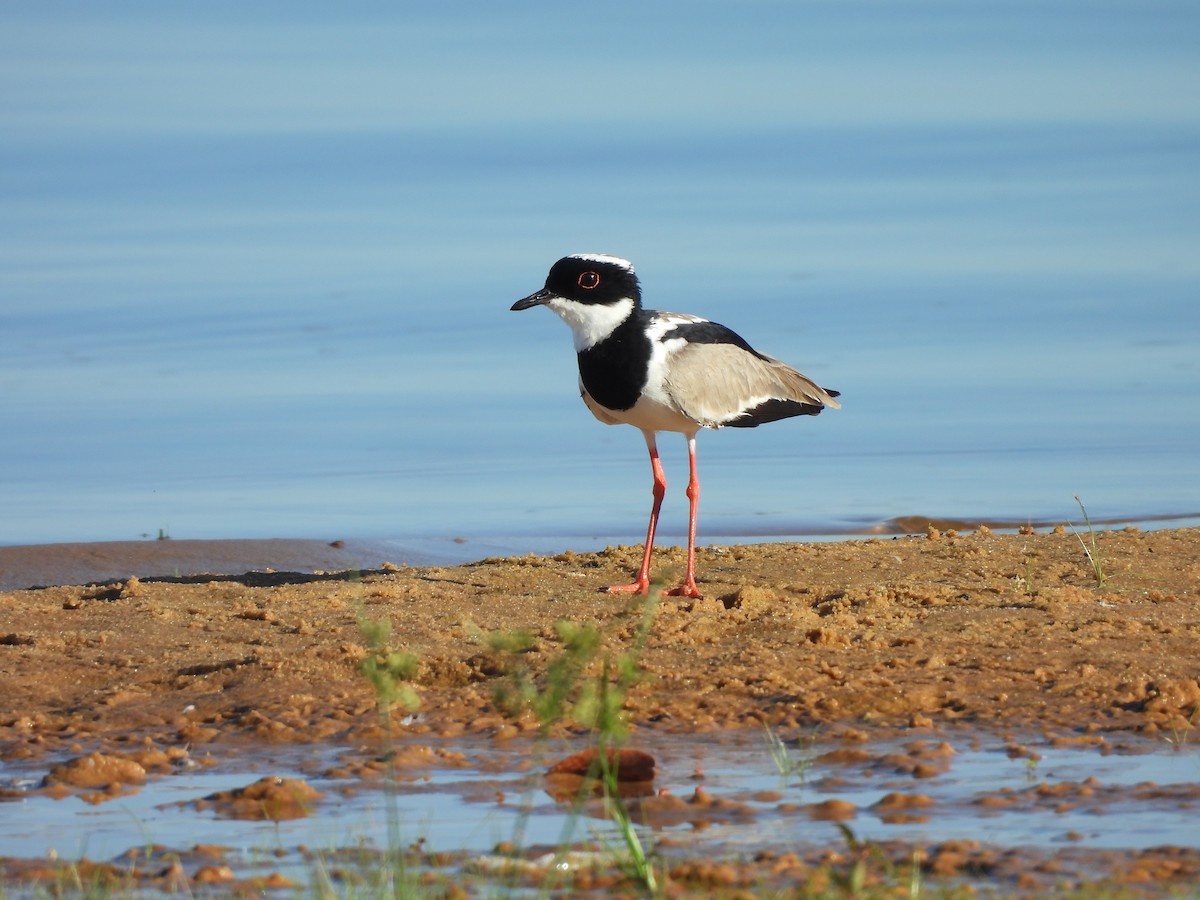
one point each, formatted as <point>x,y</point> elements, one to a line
<point>589,280</point>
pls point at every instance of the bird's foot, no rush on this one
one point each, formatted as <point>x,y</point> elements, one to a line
<point>687,589</point>
<point>641,586</point>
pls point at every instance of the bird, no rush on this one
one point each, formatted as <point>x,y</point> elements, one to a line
<point>664,371</point>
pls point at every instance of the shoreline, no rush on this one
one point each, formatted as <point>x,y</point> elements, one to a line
<point>53,565</point>
<point>58,564</point>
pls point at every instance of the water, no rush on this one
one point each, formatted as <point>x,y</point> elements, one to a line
<point>256,263</point>
<point>498,791</point>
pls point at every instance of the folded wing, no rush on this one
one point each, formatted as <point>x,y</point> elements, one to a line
<point>729,384</point>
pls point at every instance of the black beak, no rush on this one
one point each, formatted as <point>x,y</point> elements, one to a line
<point>541,298</point>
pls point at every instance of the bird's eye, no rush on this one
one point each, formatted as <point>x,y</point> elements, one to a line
<point>589,280</point>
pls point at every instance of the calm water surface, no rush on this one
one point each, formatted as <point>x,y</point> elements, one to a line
<point>1137,798</point>
<point>256,264</point>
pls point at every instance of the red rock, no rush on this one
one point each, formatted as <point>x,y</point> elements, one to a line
<point>631,765</point>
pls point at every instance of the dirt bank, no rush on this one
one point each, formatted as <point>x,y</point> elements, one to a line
<point>1007,630</point>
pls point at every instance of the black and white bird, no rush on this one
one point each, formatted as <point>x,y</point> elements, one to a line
<point>665,371</point>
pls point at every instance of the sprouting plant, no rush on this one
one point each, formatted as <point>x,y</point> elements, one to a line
<point>389,672</point>
<point>1025,580</point>
<point>1180,733</point>
<point>1031,769</point>
<point>1090,548</point>
<point>786,764</point>
<point>554,696</point>
<point>566,691</point>
<point>882,879</point>
<point>914,876</point>
<point>636,862</point>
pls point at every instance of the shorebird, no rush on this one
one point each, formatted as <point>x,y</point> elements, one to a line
<point>665,371</point>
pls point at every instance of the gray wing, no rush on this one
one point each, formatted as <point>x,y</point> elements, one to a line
<point>720,384</point>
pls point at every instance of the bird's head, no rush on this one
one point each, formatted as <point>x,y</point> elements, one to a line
<point>592,292</point>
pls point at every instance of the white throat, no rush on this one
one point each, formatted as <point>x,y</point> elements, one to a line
<point>591,323</point>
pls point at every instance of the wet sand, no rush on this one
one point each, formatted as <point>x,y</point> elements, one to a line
<point>861,637</point>
<point>42,565</point>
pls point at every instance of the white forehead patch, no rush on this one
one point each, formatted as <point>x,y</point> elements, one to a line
<point>604,258</point>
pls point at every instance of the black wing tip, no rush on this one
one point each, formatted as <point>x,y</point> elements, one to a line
<point>774,410</point>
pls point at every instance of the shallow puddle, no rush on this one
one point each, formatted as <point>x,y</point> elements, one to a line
<point>717,796</point>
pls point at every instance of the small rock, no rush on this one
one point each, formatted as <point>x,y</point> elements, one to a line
<point>96,770</point>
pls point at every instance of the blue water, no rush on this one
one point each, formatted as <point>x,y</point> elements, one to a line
<point>256,261</point>
<point>498,795</point>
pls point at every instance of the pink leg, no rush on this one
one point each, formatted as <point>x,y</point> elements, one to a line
<point>688,588</point>
<point>642,584</point>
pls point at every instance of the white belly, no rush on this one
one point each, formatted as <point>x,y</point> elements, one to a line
<point>650,413</point>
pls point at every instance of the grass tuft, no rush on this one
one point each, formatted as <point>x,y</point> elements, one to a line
<point>586,684</point>
<point>788,765</point>
<point>1181,733</point>
<point>390,673</point>
<point>1090,548</point>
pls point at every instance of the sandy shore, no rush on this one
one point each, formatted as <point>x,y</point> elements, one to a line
<point>1009,629</point>
<point>184,649</point>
